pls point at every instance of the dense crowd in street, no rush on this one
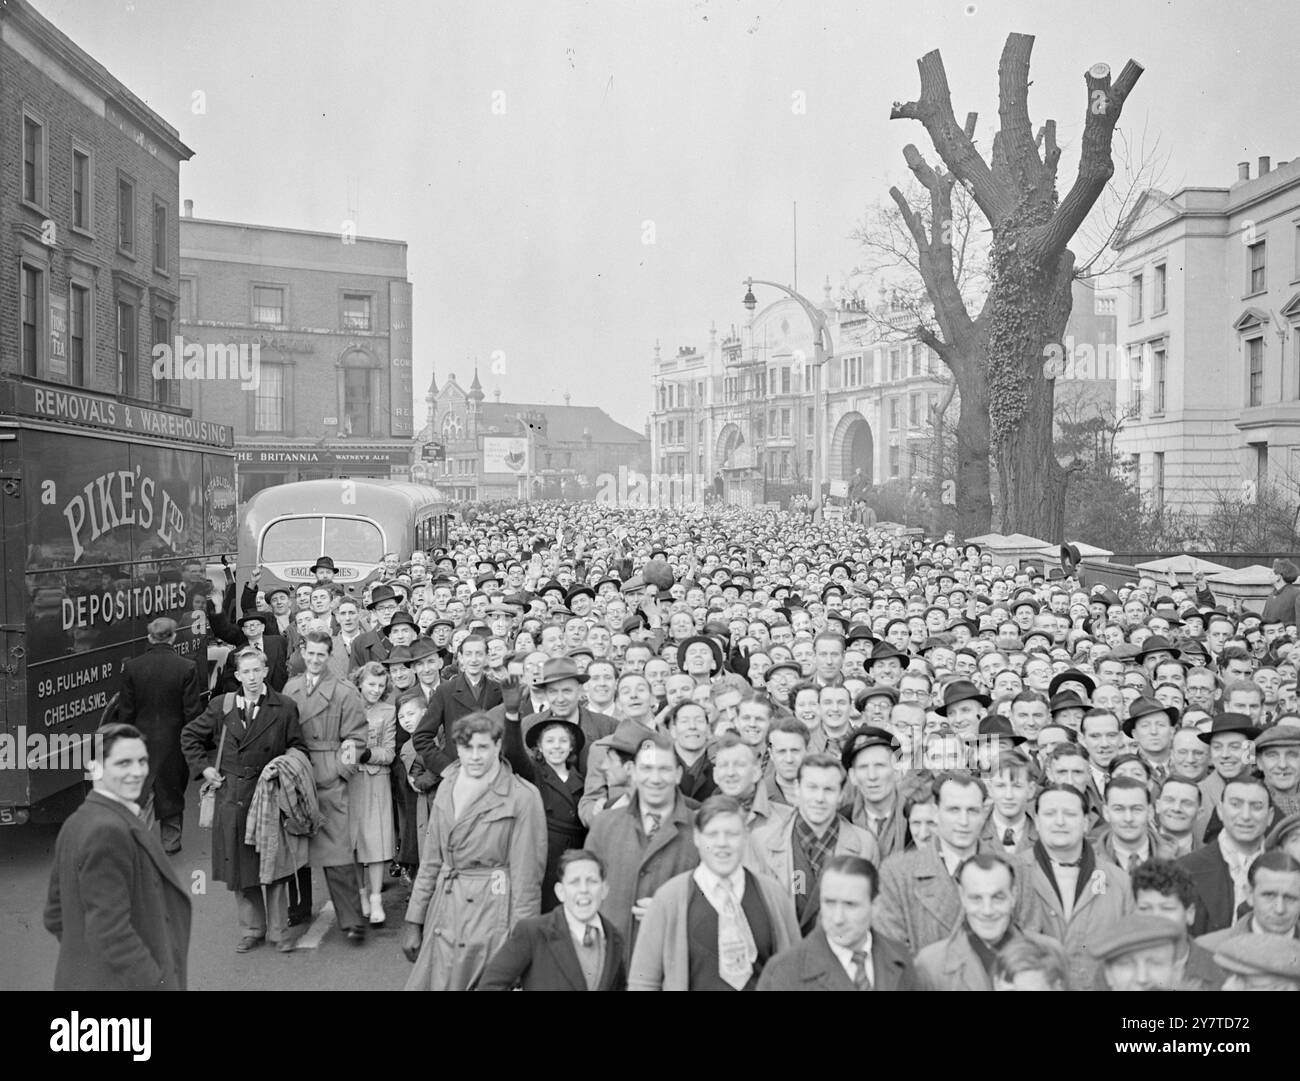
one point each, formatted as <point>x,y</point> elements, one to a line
<point>637,748</point>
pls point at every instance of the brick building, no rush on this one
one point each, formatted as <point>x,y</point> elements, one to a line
<point>525,450</point>
<point>89,237</point>
<point>324,321</point>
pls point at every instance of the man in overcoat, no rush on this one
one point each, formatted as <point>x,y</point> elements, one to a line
<point>260,724</point>
<point>160,694</point>
<point>120,914</point>
<point>482,864</point>
<point>333,720</point>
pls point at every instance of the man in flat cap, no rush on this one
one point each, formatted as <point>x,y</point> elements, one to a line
<point>1260,963</point>
<point>1277,751</point>
<point>1137,953</point>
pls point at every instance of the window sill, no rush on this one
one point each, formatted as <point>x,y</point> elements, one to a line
<point>126,253</point>
<point>161,271</point>
<point>35,208</point>
<point>85,234</point>
<point>1162,311</point>
<point>1257,293</point>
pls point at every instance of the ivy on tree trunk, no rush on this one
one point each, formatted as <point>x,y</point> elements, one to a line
<point>998,357</point>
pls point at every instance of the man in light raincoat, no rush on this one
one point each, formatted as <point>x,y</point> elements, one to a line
<point>482,865</point>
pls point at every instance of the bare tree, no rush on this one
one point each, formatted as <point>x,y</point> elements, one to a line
<point>997,357</point>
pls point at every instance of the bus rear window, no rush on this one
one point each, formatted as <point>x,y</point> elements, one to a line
<point>352,541</point>
<point>292,539</point>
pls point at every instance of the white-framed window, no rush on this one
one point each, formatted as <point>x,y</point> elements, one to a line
<point>1255,371</point>
<point>268,304</point>
<point>356,311</point>
<point>1134,298</point>
<point>1159,356</point>
<point>1159,289</point>
<point>269,399</point>
<point>1256,267</point>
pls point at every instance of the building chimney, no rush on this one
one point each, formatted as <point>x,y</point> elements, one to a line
<point>566,399</point>
<point>1243,170</point>
<point>189,208</point>
<point>1263,166</point>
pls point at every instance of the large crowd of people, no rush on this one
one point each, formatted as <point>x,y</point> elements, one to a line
<point>665,749</point>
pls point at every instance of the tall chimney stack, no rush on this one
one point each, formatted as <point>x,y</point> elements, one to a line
<point>1263,165</point>
<point>1243,170</point>
<point>189,208</point>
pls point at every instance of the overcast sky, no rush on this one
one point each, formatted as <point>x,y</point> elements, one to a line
<point>521,148</point>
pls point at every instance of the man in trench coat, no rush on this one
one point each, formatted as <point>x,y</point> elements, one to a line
<point>260,725</point>
<point>333,720</point>
<point>482,866</point>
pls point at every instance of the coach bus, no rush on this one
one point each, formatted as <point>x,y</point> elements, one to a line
<point>285,528</point>
<point>109,513</point>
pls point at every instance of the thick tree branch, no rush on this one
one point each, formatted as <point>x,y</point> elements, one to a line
<point>1096,167</point>
<point>934,110</point>
<point>1013,109</point>
<point>934,252</point>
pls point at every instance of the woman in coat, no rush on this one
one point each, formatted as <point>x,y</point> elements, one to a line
<point>555,745</point>
<point>482,865</point>
<point>259,725</point>
<point>370,791</point>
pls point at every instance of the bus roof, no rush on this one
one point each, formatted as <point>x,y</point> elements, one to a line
<point>393,497</point>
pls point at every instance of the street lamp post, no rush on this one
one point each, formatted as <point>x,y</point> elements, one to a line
<point>823,350</point>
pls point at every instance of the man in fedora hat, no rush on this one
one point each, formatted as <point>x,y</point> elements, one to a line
<point>254,632</point>
<point>561,682</point>
<point>886,664</point>
<point>964,705</point>
<point>1231,739</point>
<point>373,645</point>
<point>1151,725</point>
<point>324,570</point>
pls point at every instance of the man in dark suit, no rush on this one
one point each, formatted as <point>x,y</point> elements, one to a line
<point>254,635</point>
<point>467,692</point>
<point>1219,868</point>
<point>373,645</point>
<point>571,948</point>
<point>160,695</point>
<point>843,954</point>
<point>120,914</point>
<point>259,725</point>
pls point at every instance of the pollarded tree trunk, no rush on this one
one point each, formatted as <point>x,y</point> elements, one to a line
<point>1029,311</point>
<point>974,503</point>
<point>1029,296</point>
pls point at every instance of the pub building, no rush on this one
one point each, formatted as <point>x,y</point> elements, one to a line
<point>316,329</point>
